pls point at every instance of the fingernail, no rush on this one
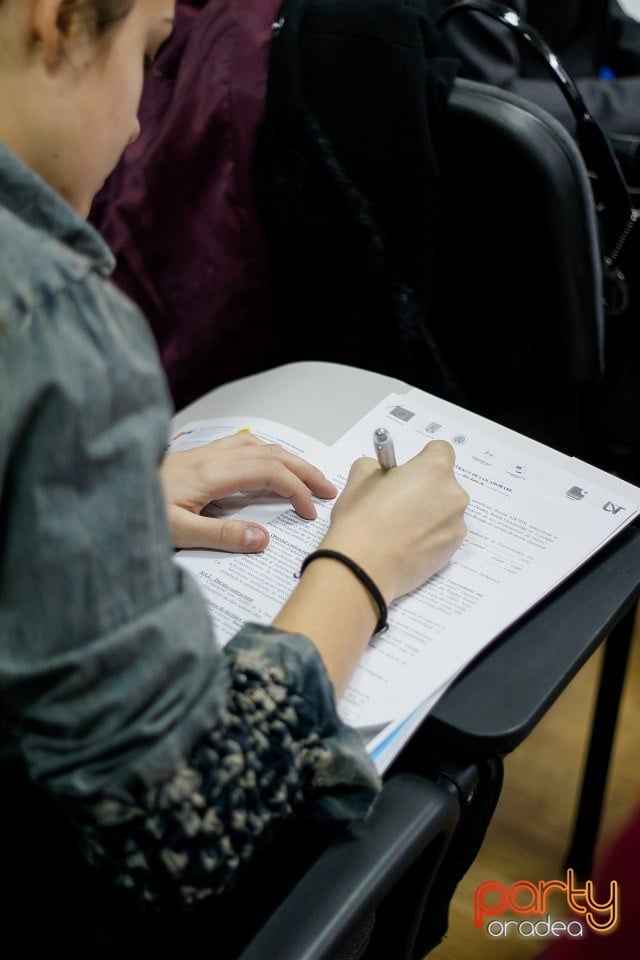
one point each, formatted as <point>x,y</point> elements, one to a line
<point>254,538</point>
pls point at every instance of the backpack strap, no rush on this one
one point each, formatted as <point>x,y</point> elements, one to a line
<point>613,202</point>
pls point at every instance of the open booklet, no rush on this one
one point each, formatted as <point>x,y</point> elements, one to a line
<point>535,516</point>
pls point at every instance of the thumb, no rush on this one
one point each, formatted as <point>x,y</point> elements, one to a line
<point>191,530</point>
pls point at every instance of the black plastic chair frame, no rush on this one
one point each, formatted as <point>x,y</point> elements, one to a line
<point>401,843</point>
<point>517,308</point>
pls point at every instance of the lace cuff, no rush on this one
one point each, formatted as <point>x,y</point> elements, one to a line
<point>279,749</point>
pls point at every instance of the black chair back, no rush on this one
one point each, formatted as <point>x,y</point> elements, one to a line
<point>517,307</point>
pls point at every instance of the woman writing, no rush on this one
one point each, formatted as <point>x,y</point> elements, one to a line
<point>174,761</point>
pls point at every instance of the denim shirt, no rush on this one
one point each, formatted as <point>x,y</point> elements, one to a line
<point>111,684</point>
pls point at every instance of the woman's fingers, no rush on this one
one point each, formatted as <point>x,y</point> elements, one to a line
<point>272,474</point>
<point>245,446</point>
<point>191,531</point>
<point>401,524</point>
<point>239,463</point>
<point>193,478</point>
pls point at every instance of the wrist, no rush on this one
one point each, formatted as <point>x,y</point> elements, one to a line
<point>360,574</point>
<point>333,609</point>
<point>373,560</point>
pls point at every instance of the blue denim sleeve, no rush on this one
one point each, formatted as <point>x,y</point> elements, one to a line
<point>174,758</point>
<point>107,665</point>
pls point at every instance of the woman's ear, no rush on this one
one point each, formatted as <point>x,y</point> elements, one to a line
<point>52,22</point>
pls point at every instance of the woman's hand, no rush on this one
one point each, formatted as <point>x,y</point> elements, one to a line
<point>241,462</point>
<point>401,525</point>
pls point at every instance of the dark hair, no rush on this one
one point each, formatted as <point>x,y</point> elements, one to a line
<point>97,15</point>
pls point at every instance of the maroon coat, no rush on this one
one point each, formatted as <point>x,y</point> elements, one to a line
<point>191,169</point>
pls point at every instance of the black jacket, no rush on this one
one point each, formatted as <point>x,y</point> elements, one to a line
<point>348,182</point>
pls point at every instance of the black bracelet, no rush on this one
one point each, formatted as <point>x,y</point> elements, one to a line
<point>362,576</point>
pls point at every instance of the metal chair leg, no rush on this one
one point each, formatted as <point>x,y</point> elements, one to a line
<point>594,780</point>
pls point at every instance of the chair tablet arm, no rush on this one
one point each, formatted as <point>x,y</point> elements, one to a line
<point>411,816</point>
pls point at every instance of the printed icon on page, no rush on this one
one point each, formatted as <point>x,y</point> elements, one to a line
<point>576,493</point>
<point>401,413</point>
<point>432,427</point>
<point>518,471</point>
<point>459,438</point>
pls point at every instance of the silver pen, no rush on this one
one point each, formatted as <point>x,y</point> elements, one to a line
<point>383,445</point>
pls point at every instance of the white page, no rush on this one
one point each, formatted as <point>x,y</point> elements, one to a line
<point>198,432</point>
<point>631,8</point>
<point>506,564</point>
